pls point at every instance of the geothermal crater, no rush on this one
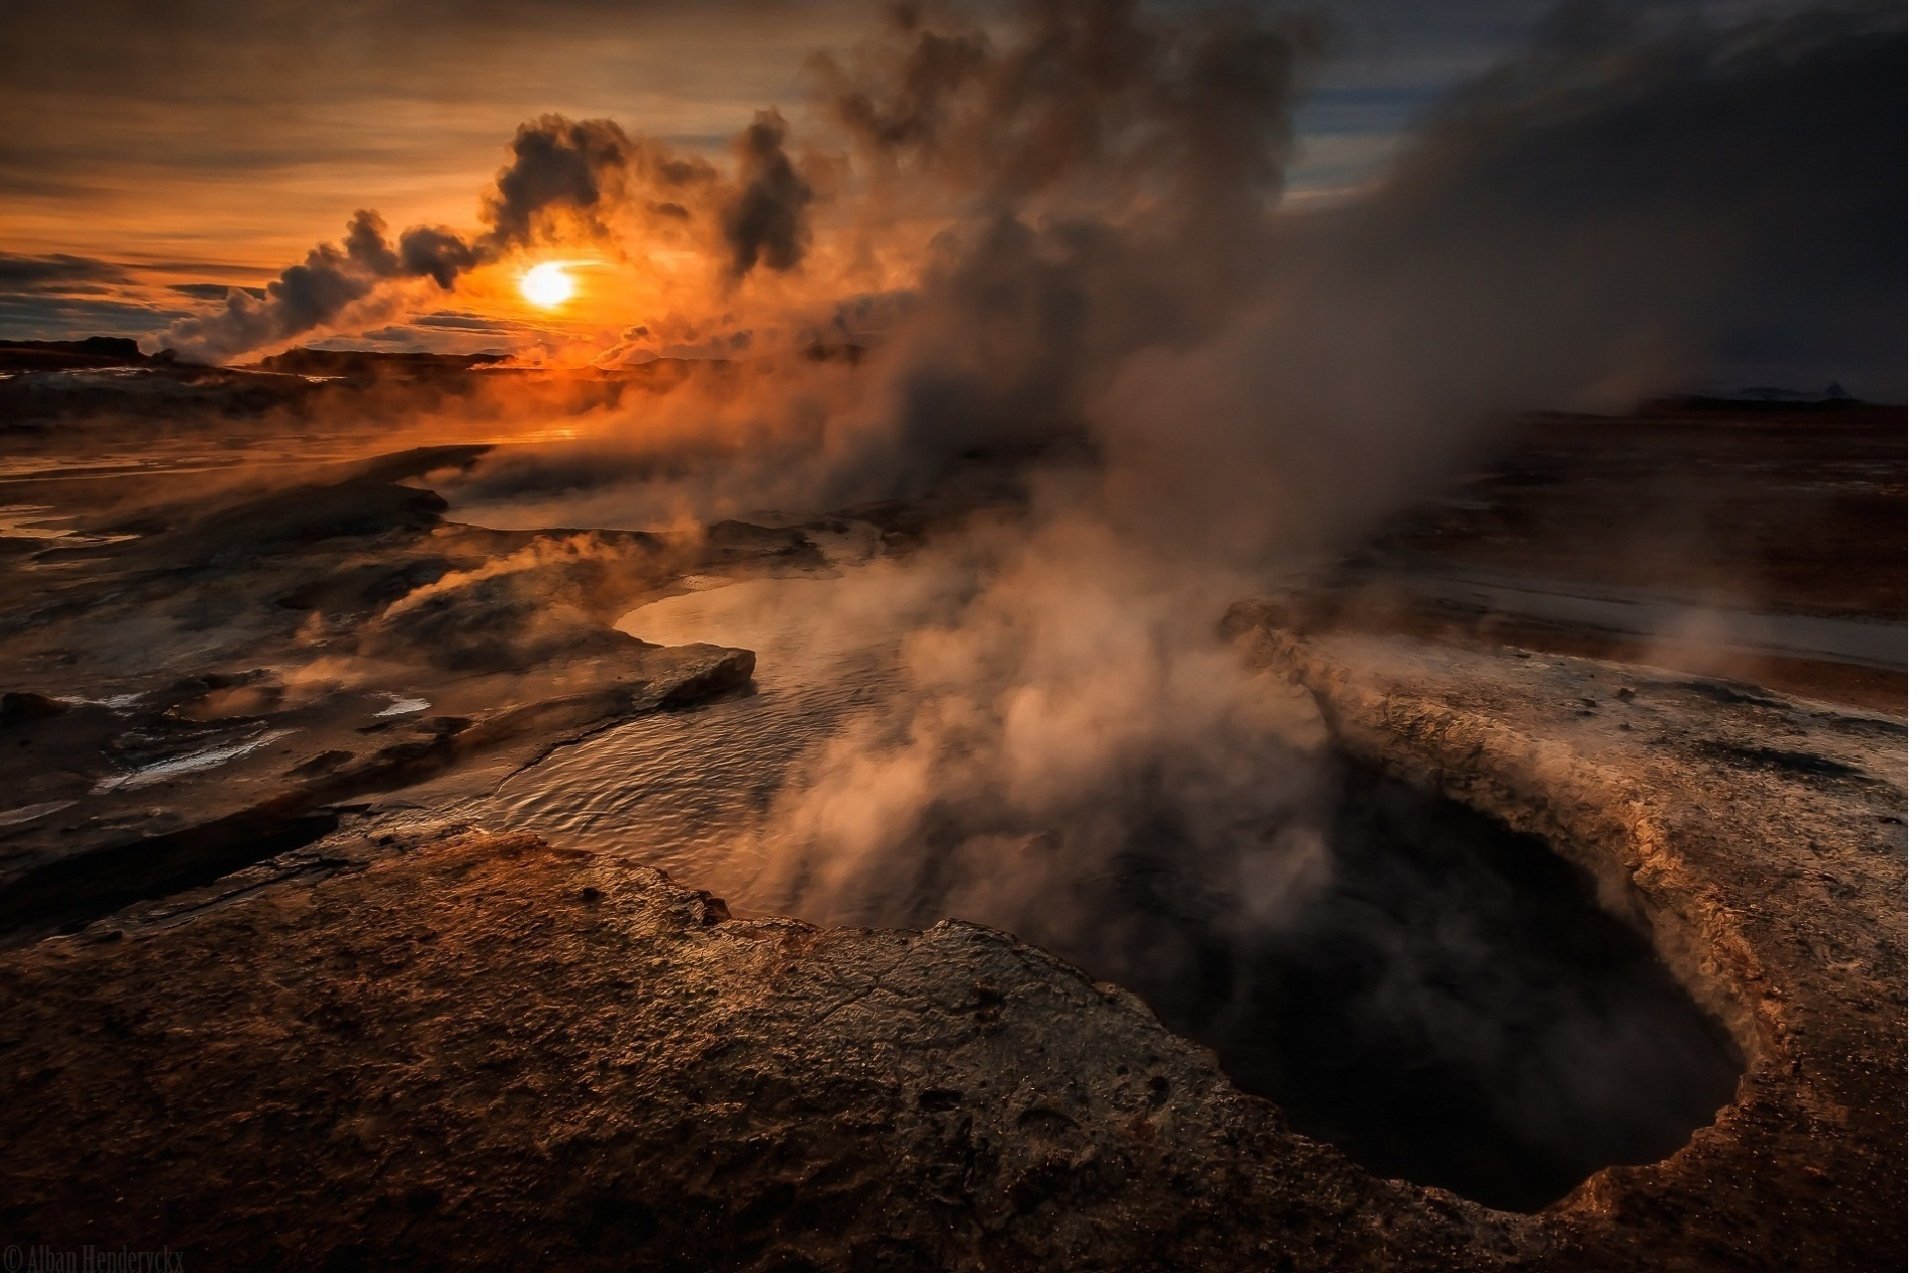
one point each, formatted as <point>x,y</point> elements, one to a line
<point>1457,1009</point>
<point>1447,1001</point>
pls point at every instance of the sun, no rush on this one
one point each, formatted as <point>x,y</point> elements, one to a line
<point>547,284</point>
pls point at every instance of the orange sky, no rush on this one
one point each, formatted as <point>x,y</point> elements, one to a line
<point>200,144</point>
<point>246,140</point>
<point>153,155</point>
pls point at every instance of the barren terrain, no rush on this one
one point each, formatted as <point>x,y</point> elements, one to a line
<point>275,992</point>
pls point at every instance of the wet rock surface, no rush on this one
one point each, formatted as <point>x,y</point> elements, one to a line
<point>1775,891</point>
<point>475,1049</point>
<point>212,691</point>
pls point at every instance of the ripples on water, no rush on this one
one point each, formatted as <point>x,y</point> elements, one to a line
<point>675,789</point>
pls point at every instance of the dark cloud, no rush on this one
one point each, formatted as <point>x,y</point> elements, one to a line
<point>56,272</point>
<point>910,108</point>
<point>1617,211</point>
<point>868,313</point>
<point>559,165</point>
<point>63,294</point>
<point>123,121</point>
<point>1108,174</point>
<point>437,253</point>
<point>765,220</point>
<point>215,291</point>
<point>1597,220</point>
<point>583,176</point>
<point>451,321</point>
<point>1011,114</point>
<point>1733,192</point>
<point>29,317</point>
<point>120,115</point>
<point>1108,177</point>
<point>334,278</point>
<point>565,179</point>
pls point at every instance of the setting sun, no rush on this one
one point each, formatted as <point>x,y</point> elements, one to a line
<point>547,285</point>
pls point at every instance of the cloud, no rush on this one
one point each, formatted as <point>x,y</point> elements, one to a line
<point>124,124</point>
<point>566,180</point>
<point>470,322</point>
<point>56,272</point>
<point>559,166</point>
<point>66,294</point>
<point>764,220</point>
<point>437,253</point>
<point>31,317</point>
<point>215,291</point>
<point>334,278</point>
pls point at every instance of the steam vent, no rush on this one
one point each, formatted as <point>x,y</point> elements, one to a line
<point>989,636</point>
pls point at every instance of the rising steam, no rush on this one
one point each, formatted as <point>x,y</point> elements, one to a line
<point>1073,221</point>
<point>568,180</point>
<point>1585,225</point>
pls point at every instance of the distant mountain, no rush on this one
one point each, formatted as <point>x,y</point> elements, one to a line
<point>1769,393</point>
<point>1760,398</point>
<point>57,355</point>
<point>370,363</point>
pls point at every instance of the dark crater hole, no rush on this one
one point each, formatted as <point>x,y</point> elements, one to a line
<point>1452,1006</point>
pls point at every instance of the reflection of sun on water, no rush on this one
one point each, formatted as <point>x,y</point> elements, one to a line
<point>547,284</point>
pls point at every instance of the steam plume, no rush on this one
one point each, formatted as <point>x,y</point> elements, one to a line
<point>765,221</point>
<point>1090,196</point>
<point>1108,262</point>
<point>1089,200</point>
<point>565,179</point>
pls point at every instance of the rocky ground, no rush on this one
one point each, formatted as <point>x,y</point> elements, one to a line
<point>254,662</point>
<point>1758,542</point>
<point>1760,840</point>
<point>476,1049</point>
<point>247,1015</point>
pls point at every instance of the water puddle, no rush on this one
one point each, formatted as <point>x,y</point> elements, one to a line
<point>32,812</point>
<point>675,789</point>
<point>192,762</point>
